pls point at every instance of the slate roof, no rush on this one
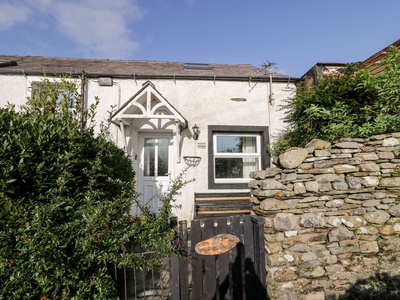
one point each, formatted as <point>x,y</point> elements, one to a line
<point>34,65</point>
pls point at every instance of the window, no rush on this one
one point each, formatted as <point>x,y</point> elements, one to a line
<point>234,152</point>
<point>61,92</point>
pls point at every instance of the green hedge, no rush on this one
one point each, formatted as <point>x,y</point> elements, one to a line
<point>64,198</point>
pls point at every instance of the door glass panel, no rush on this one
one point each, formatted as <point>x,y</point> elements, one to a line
<point>163,145</point>
<point>149,154</point>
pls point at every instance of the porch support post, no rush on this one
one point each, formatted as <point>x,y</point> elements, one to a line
<point>177,141</point>
<point>122,127</point>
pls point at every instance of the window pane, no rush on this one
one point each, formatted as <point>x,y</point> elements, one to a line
<point>236,144</point>
<point>235,167</point>
<point>163,157</point>
<point>149,152</point>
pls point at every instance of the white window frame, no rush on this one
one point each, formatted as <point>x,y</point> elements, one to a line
<point>216,155</point>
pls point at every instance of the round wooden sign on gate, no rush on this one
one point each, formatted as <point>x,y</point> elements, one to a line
<point>218,244</point>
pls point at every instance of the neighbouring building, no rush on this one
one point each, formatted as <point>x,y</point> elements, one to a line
<point>372,62</point>
<point>217,120</point>
<point>324,69</point>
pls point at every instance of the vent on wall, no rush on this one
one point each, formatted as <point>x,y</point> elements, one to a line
<point>197,66</point>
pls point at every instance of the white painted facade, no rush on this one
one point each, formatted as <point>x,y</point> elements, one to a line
<point>183,103</point>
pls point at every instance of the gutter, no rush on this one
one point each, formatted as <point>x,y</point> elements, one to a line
<point>149,77</point>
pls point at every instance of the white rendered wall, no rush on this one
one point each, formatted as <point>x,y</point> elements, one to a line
<point>200,102</point>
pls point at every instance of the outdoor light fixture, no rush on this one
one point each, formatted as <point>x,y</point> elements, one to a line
<point>196,132</point>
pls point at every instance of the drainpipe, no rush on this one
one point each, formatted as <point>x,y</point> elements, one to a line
<point>84,96</point>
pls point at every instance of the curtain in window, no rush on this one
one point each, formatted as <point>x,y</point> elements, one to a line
<point>249,163</point>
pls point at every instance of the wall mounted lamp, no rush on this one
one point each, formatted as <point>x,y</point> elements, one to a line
<point>196,132</point>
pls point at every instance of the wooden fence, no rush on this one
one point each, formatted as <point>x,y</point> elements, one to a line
<point>235,275</point>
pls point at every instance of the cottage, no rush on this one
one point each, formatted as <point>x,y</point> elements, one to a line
<point>217,120</point>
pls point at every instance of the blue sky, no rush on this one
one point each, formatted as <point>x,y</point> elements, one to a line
<point>293,34</point>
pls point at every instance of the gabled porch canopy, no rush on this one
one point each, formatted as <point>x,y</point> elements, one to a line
<point>150,106</point>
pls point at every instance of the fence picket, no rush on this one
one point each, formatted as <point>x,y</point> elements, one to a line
<point>210,286</point>
<point>196,261</point>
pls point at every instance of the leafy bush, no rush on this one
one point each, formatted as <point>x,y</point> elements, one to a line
<point>64,199</point>
<point>354,104</point>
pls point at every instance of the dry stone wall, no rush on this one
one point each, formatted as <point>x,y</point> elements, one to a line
<point>332,219</point>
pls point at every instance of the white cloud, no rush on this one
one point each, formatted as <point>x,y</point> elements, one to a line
<point>12,14</point>
<point>100,28</point>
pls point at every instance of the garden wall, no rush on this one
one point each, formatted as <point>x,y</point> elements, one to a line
<point>332,219</point>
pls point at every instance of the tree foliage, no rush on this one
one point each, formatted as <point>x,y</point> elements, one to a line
<point>354,104</point>
<point>64,198</point>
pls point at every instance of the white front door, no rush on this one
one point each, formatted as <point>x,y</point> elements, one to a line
<point>155,168</point>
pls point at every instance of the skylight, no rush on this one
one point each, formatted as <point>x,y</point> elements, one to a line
<point>197,66</point>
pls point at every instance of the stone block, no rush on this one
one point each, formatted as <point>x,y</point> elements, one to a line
<point>367,230</point>
<point>322,153</point>
<point>390,142</point>
<point>299,188</point>
<point>390,182</point>
<point>307,238</point>
<point>329,177</point>
<point>285,221</point>
<point>318,144</point>
<point>369,167</point>
<point>340,186</point>
<point>306,166</point>
<point>289,176</point>
<point>369,247</point>
<point>278,237</point>
<point>353,221</point>
<point>324,186</point>
<point>299,248</point>
<point>283,274</point>
<point>335,203</point>
<point>354,182</point>
<point>369,203</point>
<point>312,186</point>
<point>385,155</point>
<point>293,158</point>
<point>387,230</point>
<point>395,210</point>
<point>312,220</point>
<point>279,259</point>
<point>366,156</point>
<point>316,171</point>
<point>333,221</point>
<point>377,217</point>
<point>351,145</point>
<point>341,250</point>
<point>340,233</point>
<point>341,169</point>
<point>267,173</point>
<point>254,184</point>
<point>273,247</point>
<point>370,181</point>
<point>271,184</point>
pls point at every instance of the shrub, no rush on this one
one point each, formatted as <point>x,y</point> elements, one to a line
<point>64,198</point>
<point>355,104</point>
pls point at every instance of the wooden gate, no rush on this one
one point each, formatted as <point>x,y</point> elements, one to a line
<point>238,274</point>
